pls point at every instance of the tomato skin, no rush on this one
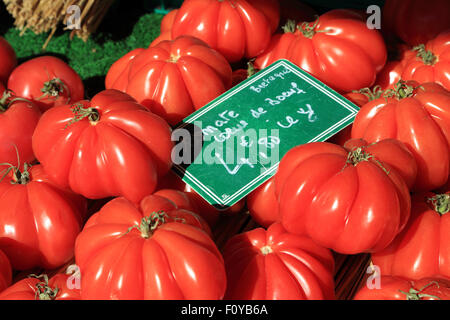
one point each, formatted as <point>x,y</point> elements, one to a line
<point>340,50</point>
<point>173,78</point>
<point>421,122</point>
<point>424,70</point>
<point>41,221</point>
<point>125,151</point>
<point>29,78</point>
<point>391,287</point>
<point>277,265</point>
<point>263,204</point>
<point>5,272</point>
<point>177,261</point>
<point>8,60</point>
<point>341,215</point>
<point>17,123</point>
<point>166,28</point>
<point>26,289</point>
<point>422,250</point>
<point>415,21</point>
<point>236,29</point>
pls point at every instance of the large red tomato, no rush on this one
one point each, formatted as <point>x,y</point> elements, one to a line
<point>391,74</point>
<point>111,141</point>
<point>42,288</point>
<point>173,78</point>
<point>18,119</point>
<point>416,21</point>
<point>351,201</point>
<point>275,264</point>
<point>5,272</point>
<point>337,48</point>
<point>422,250</point>
<point>419,116</point>
<point>8,60</point>
<point>235,28</point>
<point>430,62</point>
<point>151,251</point>
<point>39,221</point>
<point>263,204</point>
<point>48,81</point>
<point>398,288</point>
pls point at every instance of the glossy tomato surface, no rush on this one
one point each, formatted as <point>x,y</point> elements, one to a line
<point>149,251</point>
<point>337,48</point>
<point>237,29</point>
<point>41,288</point>
<point>263,204</point>
<point>277,265</point>
<point>47,81</point>
<point>173,78</point>
<point>422,250</point>
<point>18,120</point>
<point>39,220</point>
<point>351,201</point>
<point>418,116</point>
<point>111,140</point>
<point>8,60</point>
<point>398,288</point>
<point>166,28</point>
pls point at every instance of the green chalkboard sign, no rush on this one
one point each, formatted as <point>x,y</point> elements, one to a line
<point>234,144</point>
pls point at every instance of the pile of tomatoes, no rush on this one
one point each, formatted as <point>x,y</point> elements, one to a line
<point>87,183</point>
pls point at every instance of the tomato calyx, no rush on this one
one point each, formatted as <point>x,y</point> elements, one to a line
<point>427,56</point>
<point>401,91</point>
<point>414,294</point>
<point>53,88</point>
<point>19,177</point>
<point>308,29</point>
<point>440,203</point>
<point>43,290</point>
<point>266,250</point>
<point>149,224</point>
<point>80,112</point>
<point>290,26</point>
<point>358,155</point>
<point>371,94</point>
<point>4,100</point>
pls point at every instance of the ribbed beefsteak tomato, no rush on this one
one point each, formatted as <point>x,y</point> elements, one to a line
<point>47,81</point>
<point>18,119</point>
<point>263,204</point>
<point>149,251</point>
<point>397,288</point>
<point>277,265</point>
<point>419,116</point>
<point>173,78</point>
<point>42,288</point>
<point>422,249</point>
<point>351,201</point>
<point>5,272</point>
<point>337,48</point>
<point>39,221</point>
<point>430,62</point>
<point>8,60</point>
<point>110,146</point>
<point>416,21</point>
<point>235,28</point>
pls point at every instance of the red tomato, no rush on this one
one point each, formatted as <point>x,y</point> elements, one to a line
<point>151,251</point>
<point>419,116</point>
<point>263,204</point>
<point>337,48</point>
<point>396,288</point>
<point>416,21</point>
<point>47,81</point>
<point>39,220</point>
<point>8,60</point>
<point>18,119</point>
<point>277,265</point>
<point>422,250</point>
<point>295,10</point>
<point>111,140</point>
<point>172,79</point>
<point>5,272</point>
<point>351,202</point>
<point>430,62</point>
<point>166,28</point>
<point>236,29</point>
<point>41,288</point>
